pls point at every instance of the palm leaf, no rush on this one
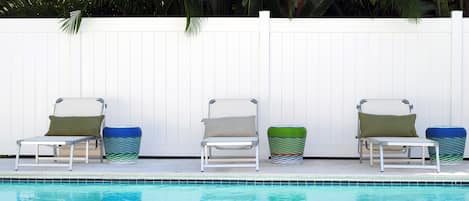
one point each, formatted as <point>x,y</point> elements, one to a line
<point>187,9</point>
<point>72,24</point>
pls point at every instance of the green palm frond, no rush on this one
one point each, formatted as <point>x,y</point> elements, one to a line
<point>72,24</point>
<point>404,8</point>
<point>39,8</point>
<point>252,7</point>
<point>313,8</point>
<point>198,8</point>
<point>187,9</point>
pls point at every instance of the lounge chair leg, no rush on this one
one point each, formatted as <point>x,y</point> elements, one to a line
<point>371,154</point>
<point>70,162</point>
<point>437,153</point>
<point>209,152</point>
<point>202,159</point>
<point>257,157</point>
<point>409,154</point>
<point>58,151</point>
<point>360,150</point>
<point>18,157</point>
<point>381,157</point>
<point>36,157</point>
<point>55,152</point>
<point>423,155</point>
<point>87,151</point>
<point>206,154</point>
<point>101,149</point>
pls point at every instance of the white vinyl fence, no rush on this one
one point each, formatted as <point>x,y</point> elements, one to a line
<point>303,71</point>
<point>465,78</point>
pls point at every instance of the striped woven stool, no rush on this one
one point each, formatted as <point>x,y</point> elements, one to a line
<point>287,144</point>
<point>452,142</point>
<point>122,144</point>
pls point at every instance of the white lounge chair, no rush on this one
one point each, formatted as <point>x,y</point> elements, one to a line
<point>231,125</point>
<point>393,108</point>
<point>383,107</point>
<point>66,107</point>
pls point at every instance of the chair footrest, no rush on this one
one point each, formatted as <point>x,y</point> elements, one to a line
<point>42,165</point>
<point>231,165</point>
<point>51,158</point>
<point>234,158</point>
<point>411,166</point>
<point>230,141</point>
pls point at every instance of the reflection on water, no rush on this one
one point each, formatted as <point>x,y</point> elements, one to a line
<point>75,196</point>
<point>122,196</point>
<point>73,192</point>
<point>62,196</point>
<point>275,196</point>
<point>246,196</point>
<point>187,192</point>
<point>415,193</point>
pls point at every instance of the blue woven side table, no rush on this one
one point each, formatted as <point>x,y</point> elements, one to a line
<point>122,144</point>
<point>452,142</point>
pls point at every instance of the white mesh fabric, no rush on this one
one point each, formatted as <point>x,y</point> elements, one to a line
<point>232,107</point>
<point>385,107</point>
<point>79,107</point>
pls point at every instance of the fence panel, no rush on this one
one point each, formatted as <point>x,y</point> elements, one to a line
<point>36,69</point>
<point>153,74</point>
<point>320,69</point>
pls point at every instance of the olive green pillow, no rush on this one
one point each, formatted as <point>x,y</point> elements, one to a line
<point>75,126</point>
<point>387,125</point>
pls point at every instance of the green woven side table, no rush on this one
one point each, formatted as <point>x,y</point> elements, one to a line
<point>122,144</point>
<point>287,144</point>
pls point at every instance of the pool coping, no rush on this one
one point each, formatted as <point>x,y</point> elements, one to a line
<point>230,178</point>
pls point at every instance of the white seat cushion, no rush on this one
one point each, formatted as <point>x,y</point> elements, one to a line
<point>241,126</point>
<point>402,141</point>
<point>55,140</point>
<point>230,141</point>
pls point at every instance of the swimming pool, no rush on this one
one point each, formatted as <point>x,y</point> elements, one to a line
<point>227,192</point>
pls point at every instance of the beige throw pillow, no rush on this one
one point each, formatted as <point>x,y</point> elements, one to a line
<point>230,127</point>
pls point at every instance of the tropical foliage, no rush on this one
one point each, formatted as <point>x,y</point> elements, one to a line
<point>196,8</point>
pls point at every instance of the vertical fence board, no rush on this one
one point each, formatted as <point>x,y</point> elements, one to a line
<point>466,79</point>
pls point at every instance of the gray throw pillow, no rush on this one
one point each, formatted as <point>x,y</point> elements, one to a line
<point>230,127</point>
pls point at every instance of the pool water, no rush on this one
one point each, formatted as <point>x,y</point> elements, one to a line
<point>212,192</point>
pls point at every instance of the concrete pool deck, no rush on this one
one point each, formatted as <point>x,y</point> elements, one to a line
<point>188,169</point>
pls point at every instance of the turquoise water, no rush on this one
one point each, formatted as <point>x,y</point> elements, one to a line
<point>188,192</point>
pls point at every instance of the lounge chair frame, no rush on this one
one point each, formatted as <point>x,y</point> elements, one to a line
<point>363,142</point>
<point>404,143</point>
<point>229,143</point>
<point>57,141</point>
<point>409,142</point>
